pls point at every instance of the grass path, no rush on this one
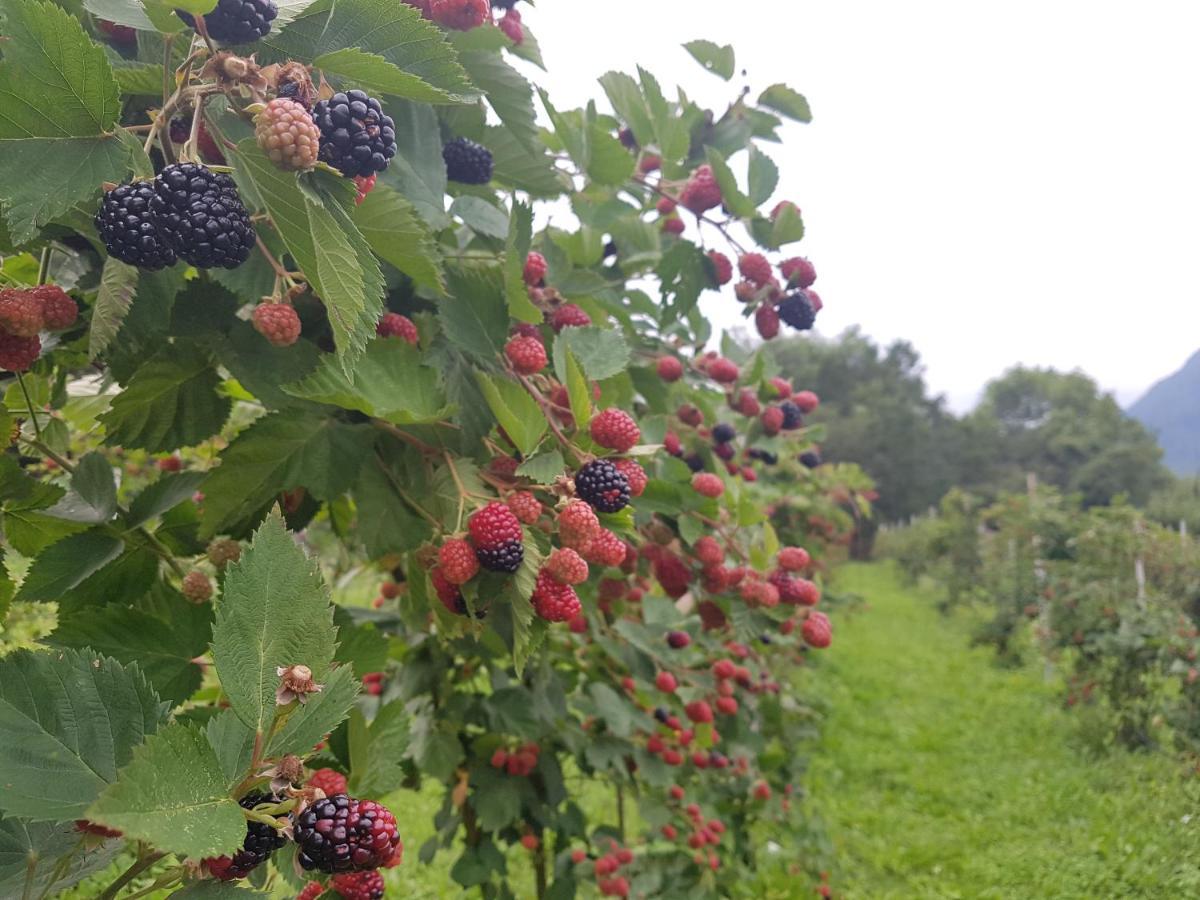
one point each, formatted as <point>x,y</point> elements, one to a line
<point>941,775</point>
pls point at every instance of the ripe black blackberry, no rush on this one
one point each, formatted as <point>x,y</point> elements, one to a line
<point>797,310</point>
<point>260,842</point>
<point>723,433</point>
<point>810,460</point>
<point>126,226</point>
<point>764,456</point>
<point>237,21</point>
<point>793,418</point>
<point>662,714</point>
<point>695,462</point>
<point>342,834</point>
<point>505,557</point>
<point>603,486</point>
<point>356,137</point>
<point>467,162</point>
<point>201,217</point>
<point>503,4</point>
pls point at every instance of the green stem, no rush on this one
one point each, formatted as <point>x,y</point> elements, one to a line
<point>140,865</point>
<point>37,428</point>
<point>44,265</point>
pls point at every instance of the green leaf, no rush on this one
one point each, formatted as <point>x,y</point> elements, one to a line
<point>671,131</point>
<point>516,411</point>
<point>66,563</point>
<point>274,611</point>
<point>54,81</point>
<point>361,647</point>
<point>174,795</point>
<point>164,494</point>
<point>510,95</point>
<point>118,285</point>
<point>391,226</point>
<point>386,524</point>
<point>528,630</point>
<point>120,12</point>
<point>613,708</point>
<point>516,248</point>
<point>543,468</point>
<point>388,382</point>
<point>394,31</point>
<point>475,315</point>
<point>609,163</point>
<point>389,739</point>
<point>208,889</point>
<point>731,195</point>
<point>164,651</point>
<point>715,58</point>
<point>93,495</point>
<point>579,393</point>
<point>480,216</point>
<point>764,176</point>
<point>520,168</point>
<point>232,742</point>
<point>376,75</point>
<point>497,802</point>
<point>30,854</point>
<point>70,721</point>
<point>418,172</point>
<point>786,102</point>
<point>317,717</point>
<point>601,351</point>
<point>171,402</point>
<point>139,79</point>
<point>334,257</point>
<point>280,452</point>
<point>626,98</point>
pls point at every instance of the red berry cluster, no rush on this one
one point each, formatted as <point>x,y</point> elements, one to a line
<point>24,313</point>
<point>606,868</point>
<point>373,683</point>
<point>519,761</point>
<point>330,781</point>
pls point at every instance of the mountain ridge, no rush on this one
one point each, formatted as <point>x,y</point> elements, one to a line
<point>1170,409</point>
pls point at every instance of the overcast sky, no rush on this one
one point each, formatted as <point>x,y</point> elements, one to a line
<point>995,182</point>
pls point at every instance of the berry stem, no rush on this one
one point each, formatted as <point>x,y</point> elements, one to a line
<point>37,428</point>
<point>168,879</point>
<point>140,865</point>
<point>280,272</point>
<point>168,40</point>
<point>405,496</point>
<point>44,264</point>
<point>547,411</point>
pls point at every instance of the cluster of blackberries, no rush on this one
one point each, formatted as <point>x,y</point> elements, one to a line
<point>188,212</point>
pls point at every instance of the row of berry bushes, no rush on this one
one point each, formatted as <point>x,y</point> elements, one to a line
<point>276,320</point>
<point>1104,594</point>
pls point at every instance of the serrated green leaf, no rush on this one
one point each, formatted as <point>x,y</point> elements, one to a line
<point>139,79</point>
<point>786,102</point>
<point>515,410</point>
<point>386,524</point>
<point>480,216</point>
<point>280,452</point>
<point>602,352</point>
<point>518,167</point>
<point>626,98</point>
<point>321,714</point>
<point>418,172</point>
<point>389,738</point>
<point>120,12</point>
<point>274,611</point>
<point>528,630</point>
<point>391,226</point>
<point>788,227</point>
<point>361,647</point>
<point>389,381</point>
<point>93,495</point>
<point>171,402</point>
<point>543,468</point>
<point>66,563</point>
<point>395,31</point>
<point>71,720</point>
<point>118,286</point>
<point>232,741</point>
<point>732,197</point>
<point>508,93</point>
<point>164,651</point>
<point>609,163</point>
<point>497,802</point>
<point>166,493</point>
<point>670,131</point>
<point>173,795</point>
<point>715,58</point>
<point>31,853</point>
<point>375,74</point>
<point>763,177</point>
<point>516,249</point>
<point>325,245</point>
<point>475,316</point>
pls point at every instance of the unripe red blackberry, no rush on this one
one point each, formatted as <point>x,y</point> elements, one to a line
<point>722,267</point>
<point>790,589</point>
<point>525,506</point>
<point>807,401</point>
<point>498,538</point>
<point>196,586</point>
<point>510,24</point>
<point>534,272</point>
<point>554,601</point>
<point>677,640</point>
<point>817,631</point>
<point>236,21</point>
<point>794,559</point>
<point>605,549</point>
<point>766,321</point>
<point>615,429</point>
<point>288,135</point>
<point>467,162</point>
<point>665,682</point>
<point>665,206</point>
<point>342,834</point>
<point>456,559</point>
<point>745,291</point>
<point>701,191</point>
<point>330,781</point>
<point>356,137</point>
<point>723,371</point>
<point>460,15</point>
<point>708,551</point>
<point>634,474</point>
<point>807,592</point>
<point>448,594</point>
<point>311,891</point>
<point>17,354</point>
<point>359,885</point>
<point>798,272</point>
<point>20,313</point>
<point>577,524</point>
<point>815,299</point>
<point>395,325</point>
<point>277,322</point>
<point>363,185</point>
<point>527,354</point>
<point>754,267</point>
<point>650,162</point>
<point>690,415</point>
<point>673,225</point>
<point>707,484</point>
<point>568,316</point>
<point>59,311</point>
<point>567,566</point>
<point>669,368</point>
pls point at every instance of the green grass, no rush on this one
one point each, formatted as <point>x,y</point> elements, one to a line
<point>941,775</point>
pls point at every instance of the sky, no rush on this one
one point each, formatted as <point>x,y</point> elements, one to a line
<point>998,183</point>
